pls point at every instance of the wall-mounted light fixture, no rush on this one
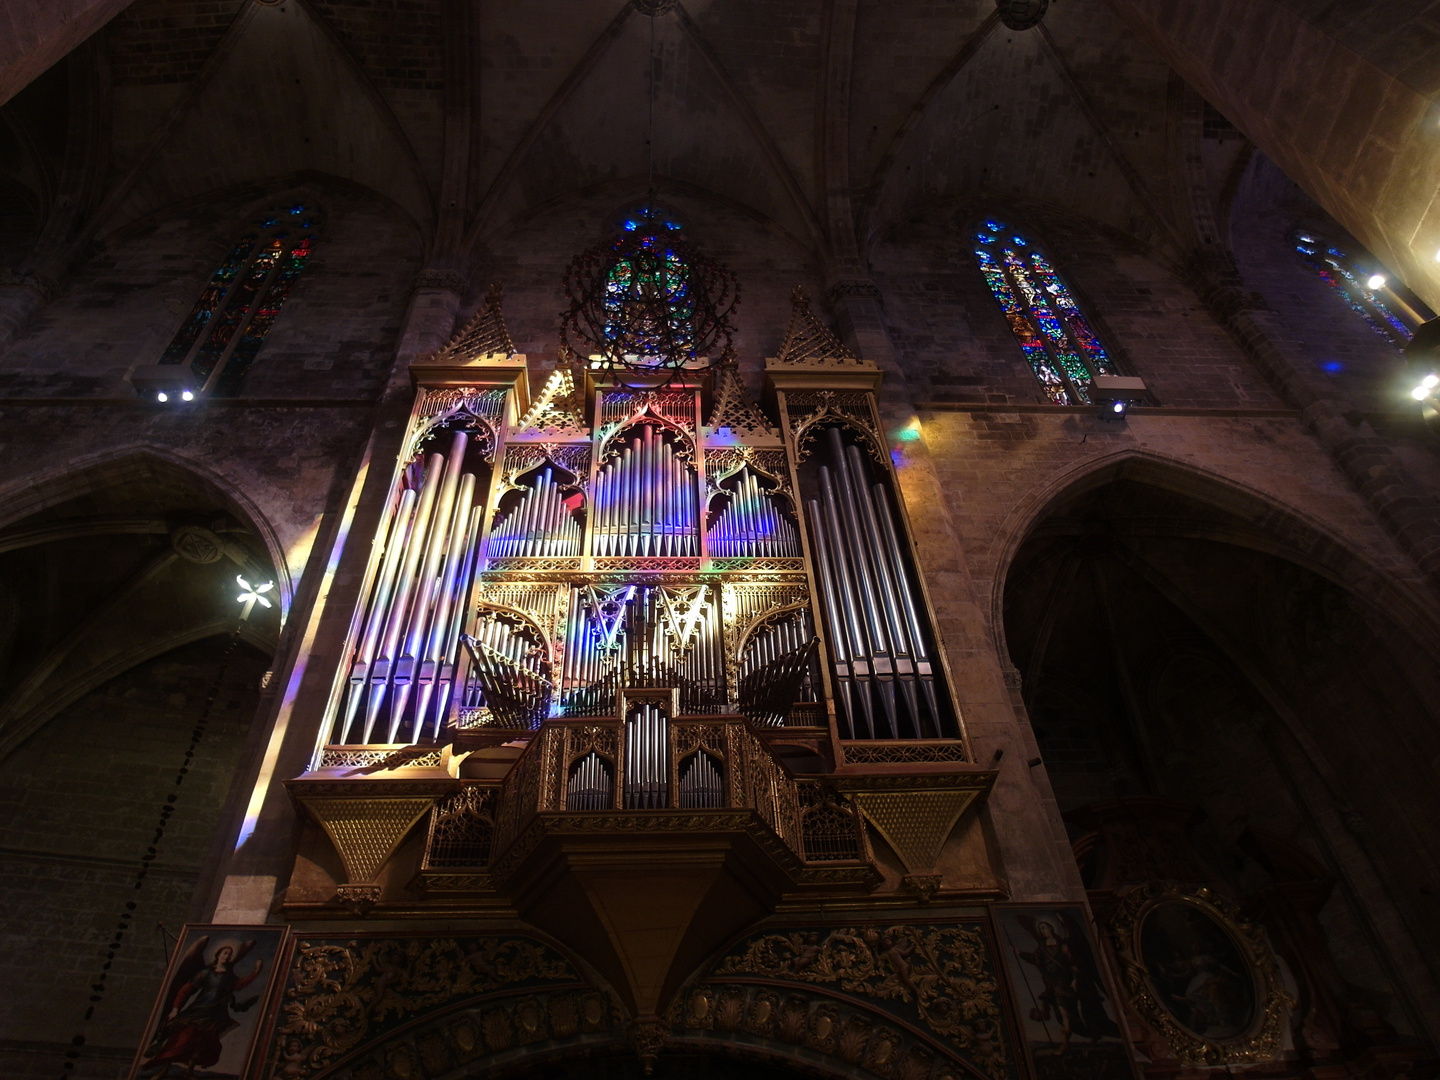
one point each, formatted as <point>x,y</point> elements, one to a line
<point>164,383</point>
<point>1116,393</point>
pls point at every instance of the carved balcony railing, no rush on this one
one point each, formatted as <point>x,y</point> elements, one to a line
<point>590,767</point>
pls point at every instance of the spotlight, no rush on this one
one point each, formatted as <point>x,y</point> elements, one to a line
<point>1116,393</point>
<point>1426,388</point>
<point>163,382</point>
<point>1377,281</point>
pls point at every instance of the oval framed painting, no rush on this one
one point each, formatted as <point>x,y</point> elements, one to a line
<point>1200,975</point>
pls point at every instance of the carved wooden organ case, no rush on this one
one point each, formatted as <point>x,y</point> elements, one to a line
<point>624,598</point>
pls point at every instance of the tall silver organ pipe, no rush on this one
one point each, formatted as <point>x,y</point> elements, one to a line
<point>752,526</point>
<point>647,757</point>
<point>884,670</point>
<point>541,524</point>
<point>405,656</point>
<point>591,785</point>
<point>646,503</point>
<point>702,782</point>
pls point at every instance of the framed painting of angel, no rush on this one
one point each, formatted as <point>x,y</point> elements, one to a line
<point>212,1003</point>
<point>1063,1002</point>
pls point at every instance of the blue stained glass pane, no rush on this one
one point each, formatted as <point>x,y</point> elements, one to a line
<point>1340,272</point>
<point>1023,329</point>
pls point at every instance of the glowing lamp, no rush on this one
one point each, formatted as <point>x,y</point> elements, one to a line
<point>163,382</point>
<point>1116,393</point>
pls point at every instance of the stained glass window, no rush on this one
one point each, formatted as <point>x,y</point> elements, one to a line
<point>1360,287</point>
<point>228,324</point>
<point>1057,340</point>
<point>648,278</point>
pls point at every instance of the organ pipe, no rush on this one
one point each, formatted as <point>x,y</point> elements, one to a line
<point>878,642</point>
<point>590,785</point>
<point>702,783</point>
<point>404,659</point>
<point>539,526</point>
<point>645,501</point>
<point>647,757</point>
<point>752,526</point>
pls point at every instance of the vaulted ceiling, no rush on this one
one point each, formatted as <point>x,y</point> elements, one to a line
<point>823,119</point>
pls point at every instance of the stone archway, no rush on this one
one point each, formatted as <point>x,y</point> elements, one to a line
<point>1211,659</point>
<point>128,684</point>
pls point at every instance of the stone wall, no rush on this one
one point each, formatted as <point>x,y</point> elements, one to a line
<point>79,804</point>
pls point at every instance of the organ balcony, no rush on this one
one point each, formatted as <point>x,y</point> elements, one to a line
<point>696,813</point>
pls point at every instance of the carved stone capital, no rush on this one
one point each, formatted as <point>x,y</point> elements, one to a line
<point>649,1037</point>
<point>449,280</point>
<point>858,288</point>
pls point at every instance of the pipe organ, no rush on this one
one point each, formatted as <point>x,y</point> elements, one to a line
<point>536,561</point>
<point>636,645</point>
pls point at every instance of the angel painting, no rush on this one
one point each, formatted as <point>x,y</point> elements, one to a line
<point>1072,995</point>
<point>203,1002</point>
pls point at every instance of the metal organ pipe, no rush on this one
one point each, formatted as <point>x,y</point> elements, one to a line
<point>450,643</point>
<point>380,674</point>
<point>540,525</point>
<point>864,573</point>
<point>384,583</point>
<point>435,642</point>
<point>752,526</point>
<point>645,500</point>
<point>420,611</point>
<point>647,757</point>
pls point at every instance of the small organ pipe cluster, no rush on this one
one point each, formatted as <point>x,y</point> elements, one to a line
<point>536,561</point>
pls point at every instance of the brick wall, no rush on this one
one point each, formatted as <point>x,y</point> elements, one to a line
<point>79,803</point>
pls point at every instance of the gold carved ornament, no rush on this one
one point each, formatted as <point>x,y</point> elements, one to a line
<point>915,824</point>
<point>344,993</point>
<point>365,833</point>
<point>809,410</point>
<point>559,411</point>
<point>943,973</point>
<point>1262,1039</point>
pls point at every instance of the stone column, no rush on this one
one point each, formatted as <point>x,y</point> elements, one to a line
<point>21,296</point>
<point>1037,861</point>
<point>261,816</point>
<point>1408,512</point>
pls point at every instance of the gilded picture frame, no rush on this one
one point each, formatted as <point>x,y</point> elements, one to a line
<point>1063,1001</point>
<point>1199,974</point>
<point>213,1003</point>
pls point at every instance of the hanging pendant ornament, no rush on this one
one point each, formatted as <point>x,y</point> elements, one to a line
<point>654,8</point>
<point>647,303</point>
<point>1022,14</point>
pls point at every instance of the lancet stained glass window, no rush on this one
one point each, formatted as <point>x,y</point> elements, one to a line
<point>225,329</point>
<point>1352,282</point>
<point>1058,342</point>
